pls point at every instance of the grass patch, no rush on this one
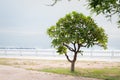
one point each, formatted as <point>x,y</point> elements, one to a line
<point>106,73</point>
<point>5,61</point>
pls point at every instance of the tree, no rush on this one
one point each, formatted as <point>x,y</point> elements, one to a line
<point>75,31</point>
<point>106,7</point>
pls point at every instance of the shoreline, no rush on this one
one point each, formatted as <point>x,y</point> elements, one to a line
<point>64,58</point>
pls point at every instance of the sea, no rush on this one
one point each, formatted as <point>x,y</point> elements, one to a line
<point>51,54</point>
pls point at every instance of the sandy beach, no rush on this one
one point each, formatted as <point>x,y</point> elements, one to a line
<point>18,69</point>
<point>11,73</point>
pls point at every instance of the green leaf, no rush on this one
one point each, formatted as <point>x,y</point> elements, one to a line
<point>76,28</point>
<point>61,50</point>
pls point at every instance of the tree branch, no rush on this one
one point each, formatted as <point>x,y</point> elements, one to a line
<point>75,56</point>
<point>83,45</point>
<point>68,58</point>
<point>74,46</point>
<point>70,48</point>
<point>55,1</point>
<point>79,45</point>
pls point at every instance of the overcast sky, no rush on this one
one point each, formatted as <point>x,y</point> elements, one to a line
<point>23,23</point>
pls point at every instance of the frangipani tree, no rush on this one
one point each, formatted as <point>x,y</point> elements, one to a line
<point>75,31</point>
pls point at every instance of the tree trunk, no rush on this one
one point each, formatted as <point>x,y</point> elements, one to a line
<point>72,66</point>
<point>72,61</point>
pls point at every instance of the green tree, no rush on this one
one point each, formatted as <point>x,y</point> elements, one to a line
<point>75,31</point>
<point>106,7</point>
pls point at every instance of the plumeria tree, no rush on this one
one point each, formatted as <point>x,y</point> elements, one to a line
<point>75,31</point>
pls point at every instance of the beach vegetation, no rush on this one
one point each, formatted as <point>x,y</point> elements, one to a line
<point>99,73</point>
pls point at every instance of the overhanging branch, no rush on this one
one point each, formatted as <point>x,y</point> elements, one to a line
<point>55,1</point>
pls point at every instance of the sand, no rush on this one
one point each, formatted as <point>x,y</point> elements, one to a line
<point>17,69</point>
<point>12,73</point>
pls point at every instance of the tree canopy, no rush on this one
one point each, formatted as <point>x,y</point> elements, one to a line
<point>106,7</point>
<point>74,31</point>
